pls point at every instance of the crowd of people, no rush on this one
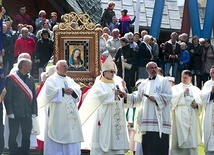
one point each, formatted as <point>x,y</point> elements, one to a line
<point>173,56</point>
<point>23,35</point>
<point>165,115</point>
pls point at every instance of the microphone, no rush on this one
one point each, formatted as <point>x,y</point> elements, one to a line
<point>74,95</point>
<point>119,89</point>
<point>146,95</point>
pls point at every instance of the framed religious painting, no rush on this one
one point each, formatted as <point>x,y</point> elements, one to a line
<point>77,42</point>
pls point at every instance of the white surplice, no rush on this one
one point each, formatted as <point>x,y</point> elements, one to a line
<point>63,133</point>
<point>151,117</point>
<point>209,116</point>
<point>186,127</point>
<point>109,132</point>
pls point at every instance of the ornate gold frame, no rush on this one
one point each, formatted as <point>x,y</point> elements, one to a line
<point>83,32</point>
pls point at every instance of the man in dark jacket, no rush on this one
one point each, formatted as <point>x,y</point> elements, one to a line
<point>21,18</point>
<point>171,52</point>
<point>21,105</point>
<point>129,56</point>
<point>144,56</point>
<point>8,58</point>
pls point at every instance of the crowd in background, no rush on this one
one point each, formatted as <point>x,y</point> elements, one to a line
<point>178,52</point>
<point>173,56</point>
<point>131,52</point>
<point>23,35</point>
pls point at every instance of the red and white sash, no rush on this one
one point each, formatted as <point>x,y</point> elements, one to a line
<point>22,85</point>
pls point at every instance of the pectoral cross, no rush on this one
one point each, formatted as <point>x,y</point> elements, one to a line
<point>65,84</point>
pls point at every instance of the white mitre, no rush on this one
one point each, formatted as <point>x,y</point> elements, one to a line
<point>108,64</point>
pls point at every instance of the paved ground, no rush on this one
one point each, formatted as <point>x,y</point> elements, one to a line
<point>34,152</point>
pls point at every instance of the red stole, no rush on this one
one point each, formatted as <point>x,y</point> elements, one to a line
<point>23,86</point>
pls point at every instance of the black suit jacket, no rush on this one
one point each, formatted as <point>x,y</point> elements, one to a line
<point>16,100</point>
<point>144,55</point>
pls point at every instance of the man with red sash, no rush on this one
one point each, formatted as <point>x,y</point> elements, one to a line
<point>21,105</point>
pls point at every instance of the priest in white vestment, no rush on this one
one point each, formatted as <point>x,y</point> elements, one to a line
<point>186,110</point>
<point>64,132</point>
<point>154,95</point>
<point>207,96</point>
<point>104,105</point>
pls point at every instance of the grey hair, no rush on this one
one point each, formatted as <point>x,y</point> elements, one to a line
<point>147,37</point>
<point>116,30</point>
<point>56,27</point>
<point>129,35</point>
<point>24,55</point>
<point>149,63</point>
<point>24,29</point>
<point>59,62</point>
<point>41,11</point>
<point>4,25</point>
<point>22,62</point>
<point>106,28</point>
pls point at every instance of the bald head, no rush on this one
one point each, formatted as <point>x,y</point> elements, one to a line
<point>62,67</point>
<point>143,33</point>
<point>150,64</point>
<point>24,55</point>
<point>59,62</point>
<point>151,69</point>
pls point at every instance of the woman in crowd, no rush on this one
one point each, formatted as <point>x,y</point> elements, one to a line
<point>207,59</point>
<point>107,15</point>
<point>129,56</point>
<point>184,60</point>
<point>196,61</point>
<point>124,22</point>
